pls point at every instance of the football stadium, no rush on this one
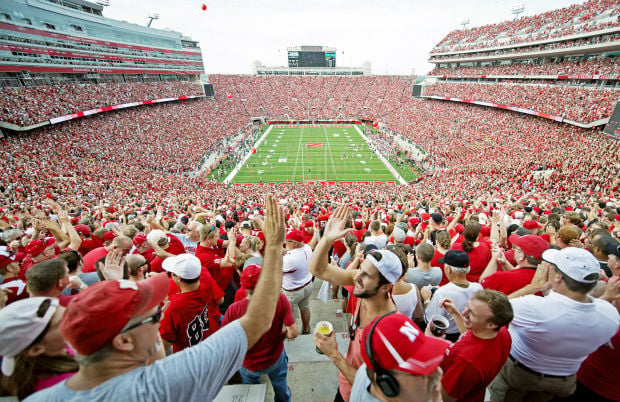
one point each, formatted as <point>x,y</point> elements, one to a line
<point>182,221</point>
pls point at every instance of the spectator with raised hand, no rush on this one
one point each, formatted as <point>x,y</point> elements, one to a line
<point>114,336</point>
<point>371,284</point>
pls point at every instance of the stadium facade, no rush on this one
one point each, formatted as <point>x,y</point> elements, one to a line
<point>54,41</point>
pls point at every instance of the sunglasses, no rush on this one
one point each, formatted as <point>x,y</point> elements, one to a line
<point>352,329</point>
<point>153,318</point>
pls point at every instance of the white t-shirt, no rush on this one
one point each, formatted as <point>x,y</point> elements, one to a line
<point>406,303</point>
<point>190,246</point>
<point>359,392</point>
<point>295,267</point>
<point>458,295</point>
<point>555,334</point>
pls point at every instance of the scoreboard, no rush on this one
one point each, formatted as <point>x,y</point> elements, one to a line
<point>311,56</point>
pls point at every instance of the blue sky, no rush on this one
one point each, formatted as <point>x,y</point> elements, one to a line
<point>395,36</point>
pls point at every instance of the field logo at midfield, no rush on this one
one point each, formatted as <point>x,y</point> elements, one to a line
<point>314,145</point>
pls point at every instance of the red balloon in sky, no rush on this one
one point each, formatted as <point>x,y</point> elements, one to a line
<point>253,150</point>
<point>375,124</point>
<point>229,96</point>
<point>204,7</point>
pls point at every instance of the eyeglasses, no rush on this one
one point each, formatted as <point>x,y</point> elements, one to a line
<point>153,318</point>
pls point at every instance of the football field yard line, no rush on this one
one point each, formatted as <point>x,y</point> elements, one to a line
<point>329,149</point>
<point>297,159</point>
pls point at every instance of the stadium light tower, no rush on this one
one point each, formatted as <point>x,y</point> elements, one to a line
<point>517,9</point>
<point>152,17</point>
<point>465,22</point>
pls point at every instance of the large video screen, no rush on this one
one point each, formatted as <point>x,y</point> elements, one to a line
<point>312,59</point>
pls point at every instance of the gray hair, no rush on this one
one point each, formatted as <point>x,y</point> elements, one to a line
<point>95,357</point>
<point>399,235</point>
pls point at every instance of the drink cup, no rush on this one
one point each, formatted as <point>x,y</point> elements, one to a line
<point>323,328</point>
<point>438,325</point>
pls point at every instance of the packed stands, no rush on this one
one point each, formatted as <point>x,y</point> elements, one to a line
<point>30,105</point>
<point>607,66</point>
<point>140,155</point>
<point>594,15</point>
<point>574,103</point>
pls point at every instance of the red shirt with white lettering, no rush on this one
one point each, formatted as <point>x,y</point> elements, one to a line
<point>187,320</point>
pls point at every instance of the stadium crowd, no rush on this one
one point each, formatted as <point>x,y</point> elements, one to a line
<point>580,104</point>
<point>583,67</point>
<point>121,187</point>
<point>25,106</point>
<point>593,15</point>
<point>536,50</point>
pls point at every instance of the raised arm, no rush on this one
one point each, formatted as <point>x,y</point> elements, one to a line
<point>334,229</point>
<point>261,309</point>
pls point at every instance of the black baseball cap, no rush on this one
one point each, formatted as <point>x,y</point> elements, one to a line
<point>455,258</point>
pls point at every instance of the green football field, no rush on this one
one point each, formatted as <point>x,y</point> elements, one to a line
<point>313,153</point>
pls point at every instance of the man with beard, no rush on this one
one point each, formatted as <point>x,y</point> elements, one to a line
<point>372,286</point>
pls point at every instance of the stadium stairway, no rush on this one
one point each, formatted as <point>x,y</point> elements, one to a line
<point>311,376</point>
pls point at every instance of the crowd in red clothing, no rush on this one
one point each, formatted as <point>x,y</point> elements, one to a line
<point>575,19</point>
<point>25,106</point>
<point>583,67</point>
<point>573,103</point>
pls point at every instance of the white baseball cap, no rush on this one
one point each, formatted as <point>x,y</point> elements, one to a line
<point>575,262</point>
<point>21,323</point>
<point>156,236</point>
<point>390,266</point>
<point>185,266</point>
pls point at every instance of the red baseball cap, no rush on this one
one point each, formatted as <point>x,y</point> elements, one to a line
<point>100,312</point>
<point>531,225</point>
<point>459,228</point>
<point>109,236</point>
<point>36,247</point>
<point>531,245</point>
<point>83,230</point>
<point>398,344</point>
<point>295,235</point>
<point>7,256</point>
<point>138,240</point>
<point>249,276</point>
<point>425,216</point>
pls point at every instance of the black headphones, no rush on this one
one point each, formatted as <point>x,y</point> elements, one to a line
<point>384,379</point>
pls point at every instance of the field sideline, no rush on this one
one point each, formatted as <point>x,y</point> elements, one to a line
<point>313,153</point>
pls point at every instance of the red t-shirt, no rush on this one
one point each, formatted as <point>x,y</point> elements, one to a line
<point>18,287</point>
<point>210,286</point>
<point>479,257</point>
<point>508,282</point>
<point>188,321</point>
<point>175,247</point>
<point>599,372</point>
<point>90,244</point>
<point>25,266</point>
<point>472,363</point>
<point>269,347</point>
<point>435,263</point>
<point>339,248</point>
<point>92,257</point>
<point>211,258</point>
